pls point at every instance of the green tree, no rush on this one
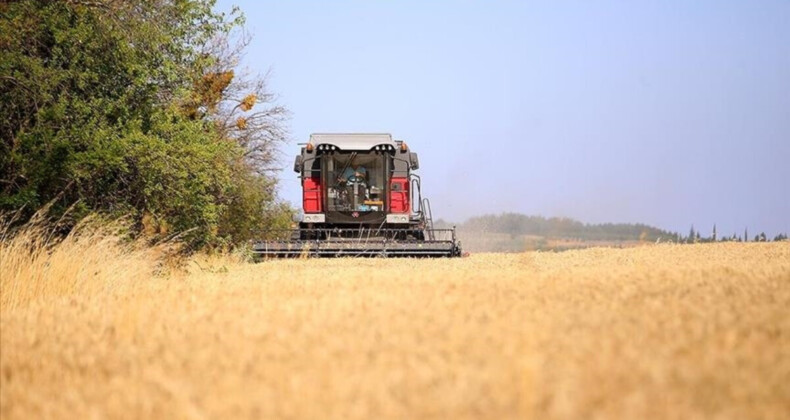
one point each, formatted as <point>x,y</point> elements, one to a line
<point>135,108</point>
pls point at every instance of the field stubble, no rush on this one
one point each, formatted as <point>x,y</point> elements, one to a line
<point>662,331</point>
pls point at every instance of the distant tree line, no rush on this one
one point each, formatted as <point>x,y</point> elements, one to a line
<point>136,108</point>
<point>566,228</point>
<point>694,236</point>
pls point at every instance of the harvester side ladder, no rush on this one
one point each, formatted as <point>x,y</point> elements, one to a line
<point>428,218</point>
<point>423,210</point>
<point>415,188</point>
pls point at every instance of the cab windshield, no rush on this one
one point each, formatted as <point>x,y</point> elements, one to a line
<point>355,182</point>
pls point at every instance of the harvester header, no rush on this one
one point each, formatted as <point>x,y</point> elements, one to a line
<point>360,197</point>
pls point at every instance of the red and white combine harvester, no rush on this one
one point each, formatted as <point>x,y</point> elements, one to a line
<point>360,197</point>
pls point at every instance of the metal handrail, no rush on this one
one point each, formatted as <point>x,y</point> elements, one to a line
<point>415,187</point>
<point>428,215</point>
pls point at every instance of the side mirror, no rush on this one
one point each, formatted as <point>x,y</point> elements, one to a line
<point>298,164</point>
<point>414,161</point>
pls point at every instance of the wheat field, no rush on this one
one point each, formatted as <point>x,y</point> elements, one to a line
<point>94,329</point>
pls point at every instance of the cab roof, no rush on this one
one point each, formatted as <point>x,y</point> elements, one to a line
<point>352,141</point>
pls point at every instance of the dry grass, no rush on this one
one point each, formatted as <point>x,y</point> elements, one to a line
<point>664,331</point>
<point>90,261</point>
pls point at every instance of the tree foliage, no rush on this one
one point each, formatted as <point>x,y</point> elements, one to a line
<point>563,227</point>
<point>136,107</point>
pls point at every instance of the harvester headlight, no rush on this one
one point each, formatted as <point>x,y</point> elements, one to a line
<point>397,218</point>
<point>314,218</point>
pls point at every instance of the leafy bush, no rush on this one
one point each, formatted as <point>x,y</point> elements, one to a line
<point>132,108</point>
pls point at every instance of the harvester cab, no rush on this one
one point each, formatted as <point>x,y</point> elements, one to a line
<point>360,197</point>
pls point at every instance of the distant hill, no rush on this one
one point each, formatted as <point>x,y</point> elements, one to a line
<point>517,232</point>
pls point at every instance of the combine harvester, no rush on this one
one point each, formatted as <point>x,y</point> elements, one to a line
<point>360,198</point>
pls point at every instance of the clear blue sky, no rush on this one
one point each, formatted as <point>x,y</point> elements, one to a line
<point>670,113</point>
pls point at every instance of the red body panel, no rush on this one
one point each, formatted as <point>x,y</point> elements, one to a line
<point>311,195</point>
<point>399,195</point>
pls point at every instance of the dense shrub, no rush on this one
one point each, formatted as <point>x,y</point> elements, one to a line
<point>134,108</point>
